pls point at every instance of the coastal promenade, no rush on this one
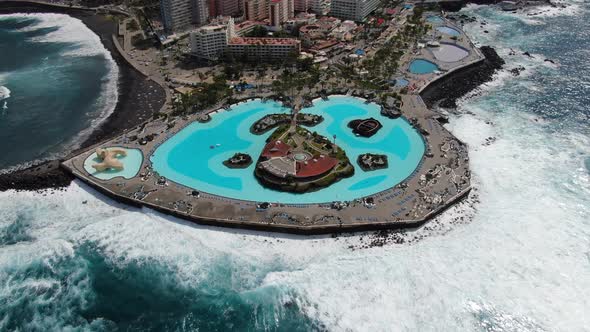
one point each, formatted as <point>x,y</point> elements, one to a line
<point>441,178</point>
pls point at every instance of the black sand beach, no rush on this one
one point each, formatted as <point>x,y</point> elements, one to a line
<point>139,98</point>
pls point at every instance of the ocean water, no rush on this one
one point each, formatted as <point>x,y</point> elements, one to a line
<point>514,257</point>
<point>57,83</point>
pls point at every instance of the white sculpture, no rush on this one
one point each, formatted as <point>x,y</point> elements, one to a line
<point>109,159</point>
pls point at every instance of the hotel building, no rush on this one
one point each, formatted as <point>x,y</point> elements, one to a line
<point>263,49</point>
<point>280,11</point>
<point>255,10</point>
<point>224,8</point>
<point>209,42</point>
<point>320,7</point>
<point>180,15</point>
<point>302,5</point>
<point>355,10</point>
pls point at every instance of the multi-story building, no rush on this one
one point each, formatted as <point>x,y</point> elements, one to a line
<point>355,10</point>
<point>302,5</point>
<point>224,8</point>
<point>255,10</point>
<point>179,15</point>
<point>176,14</point>
<point>209,42</point>
<point>280,11</point>
<point>263,49</point>
<point>320,7</point>
<point>200,10</point>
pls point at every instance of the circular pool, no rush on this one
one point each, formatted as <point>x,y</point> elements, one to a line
<point>421,67</point>
<point>187,158</point>
<point>449,31</point>
<point>449,52</point>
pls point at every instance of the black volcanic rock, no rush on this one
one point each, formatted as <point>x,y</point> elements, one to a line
<point>238,160</point>
<point>38,177</point>
<point>448,89</point>
<point>365,127</point>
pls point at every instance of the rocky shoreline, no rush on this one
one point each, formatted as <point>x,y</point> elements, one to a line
<point>138,99</point>
<point>446,90</point>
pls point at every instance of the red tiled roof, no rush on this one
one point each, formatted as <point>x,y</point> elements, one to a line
<point>263,41</point>
<point>315,167</point>
<point>275,149</point>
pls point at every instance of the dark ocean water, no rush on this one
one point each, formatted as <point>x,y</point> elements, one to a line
<point>521,262</point>
<point>61,83</point>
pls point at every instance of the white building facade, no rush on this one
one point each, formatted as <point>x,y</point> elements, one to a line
<point>210,42</point>
<point>356,10</point>
<point>320,7</point>
<point>181,15</point>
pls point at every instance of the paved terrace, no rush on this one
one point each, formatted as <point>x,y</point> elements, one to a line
<point>441,178</point>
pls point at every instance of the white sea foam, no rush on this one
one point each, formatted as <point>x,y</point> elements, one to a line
<point>69,30</point>
<point>4,93</point>
<point>87,43</point>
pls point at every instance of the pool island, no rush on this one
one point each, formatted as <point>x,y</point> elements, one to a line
<point>296,160</point>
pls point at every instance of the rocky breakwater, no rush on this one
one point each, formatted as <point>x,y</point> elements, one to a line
<point>455,85</point>
<point>38,177</point>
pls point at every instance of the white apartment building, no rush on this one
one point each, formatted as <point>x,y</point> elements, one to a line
<point>209,42</point>
<point>263,49</point>
<point>180,15</point>
<point>302,5</point>
<point>280,11</point>
<point>355,10</point>
<point>320,7</point>
<point>255,10</point>
<point>176,14</point>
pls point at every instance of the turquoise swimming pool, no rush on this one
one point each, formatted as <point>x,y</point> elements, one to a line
<point>421,66</point>
<point>401,82</point>
<point>193,157</point>
<point>449,31</point>
<point>132,163</point>
<point>434,19</point>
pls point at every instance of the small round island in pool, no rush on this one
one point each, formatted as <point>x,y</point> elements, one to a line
<point>131,165</point>
<point>421,67</point>
<point>193,157</point>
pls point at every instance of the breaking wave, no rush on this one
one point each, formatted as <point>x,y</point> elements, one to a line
<point>76,41</point>
<point>4,94</point>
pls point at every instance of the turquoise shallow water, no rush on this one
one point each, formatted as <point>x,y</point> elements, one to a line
<point>435,19</point>
<point>188,158</point>
<point>421,66</point>
<point>131,163</point>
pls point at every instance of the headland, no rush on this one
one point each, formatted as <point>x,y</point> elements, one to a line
<point>440,178</point>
